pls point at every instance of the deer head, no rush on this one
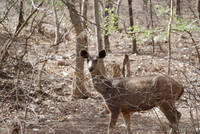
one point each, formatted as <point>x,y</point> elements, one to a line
<point>93,61</point>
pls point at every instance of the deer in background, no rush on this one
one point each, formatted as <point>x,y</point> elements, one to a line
<point>126,95</point>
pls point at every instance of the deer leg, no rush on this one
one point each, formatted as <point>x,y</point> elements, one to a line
<point>105,112</point>
<point>127,119</point>
<point>114,113</point>
<point>172,115</point>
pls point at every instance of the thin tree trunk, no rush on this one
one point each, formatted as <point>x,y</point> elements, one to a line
<point>168,2</point>
<point>106,25</point>
<point>152,26</point>
<point>21,16</point>
<point>79,90</point>
<point>178,7</point>
<point>198,8</point>
<point>134,45</point>
<point>98,28</point>
<point>98,33</point>
<point>145,4</point>
<point>145,8</point>
<point>84,12</point>
<point>117,13</point>
<point>169,38</point>
<point>57,25</point>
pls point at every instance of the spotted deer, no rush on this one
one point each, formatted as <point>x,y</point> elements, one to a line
<point>125,95</point>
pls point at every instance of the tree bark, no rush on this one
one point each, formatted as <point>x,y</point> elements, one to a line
<point>145,4</point>
<point>98,28</point>
<point>106,25</point>
<point>57,25</point>
<point>198,8</point>
<point>168,2</point>
<point>21,16</point>
<point>169,38</point>
<point>152,26</point>
<point>79,90</point>
<point>178,7</point>
<point>98,33</point>
<point>134,45</point>
<point>117,13</point>
<point>84,12</point>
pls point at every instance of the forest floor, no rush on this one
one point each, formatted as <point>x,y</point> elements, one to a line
<point>58,113</point>
<point>55,111</point>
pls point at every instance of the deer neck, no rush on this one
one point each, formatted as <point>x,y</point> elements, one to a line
<point>97,77</point>
<point>100,82</point>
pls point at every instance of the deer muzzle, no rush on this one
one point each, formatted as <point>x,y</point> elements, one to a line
<point>90,69</point>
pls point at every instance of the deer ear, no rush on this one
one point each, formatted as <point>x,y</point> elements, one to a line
<point>102,54</point>
<point>84,54</point>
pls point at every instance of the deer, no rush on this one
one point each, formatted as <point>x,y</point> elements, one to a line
<point>134,94</point>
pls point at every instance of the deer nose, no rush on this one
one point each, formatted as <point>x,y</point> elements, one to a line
<point>91,69</point>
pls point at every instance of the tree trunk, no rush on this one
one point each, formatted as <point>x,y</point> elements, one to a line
<point>145,8</point>
<point>178,7</point>
<point>79,90</point>
<point>134,45</point>
<point>21,16</point>
<point>117,13</point>
<point>98,33</point>
<point>198,8</point>
<point>84,12</point>
<point>145,4</point>
<point>168,2</point>
<point>57,25</point>
<point>169,38</point>
<point>152,26</point>
<point>106,26</point>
